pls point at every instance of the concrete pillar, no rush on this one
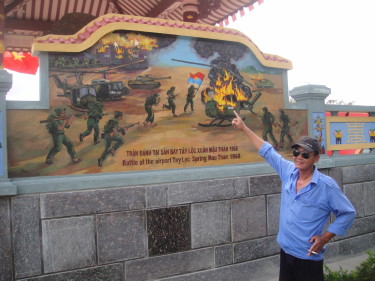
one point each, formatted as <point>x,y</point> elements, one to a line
<point>312,98</point>
<point>6,187</point>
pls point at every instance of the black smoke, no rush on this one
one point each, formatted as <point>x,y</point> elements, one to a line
<point>227,51</point>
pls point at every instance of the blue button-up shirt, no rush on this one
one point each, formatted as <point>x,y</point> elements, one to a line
<point>305,214</point>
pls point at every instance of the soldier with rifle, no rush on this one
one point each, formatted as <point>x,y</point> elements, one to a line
<point>111,135</point>
<point>285,128</point>
<point>56,125</point>
<point>190,98</point>
<point>94,115</point>
<point>268,119</point>
<point>151,101</point>
<point>171,104</point>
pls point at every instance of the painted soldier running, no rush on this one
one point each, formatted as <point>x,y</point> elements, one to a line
<point>56,125</point>
<point>190,98</point>
<point>151,101</point>
<point>285,128</point>
<point>94,115</point>
<point>268,120</point>
<point>171,104</point>
<point>111,135</point>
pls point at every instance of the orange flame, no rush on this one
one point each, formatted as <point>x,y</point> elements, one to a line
<point>130,43</point>
<point>227,94</point>
<point>102,49</point>
<point>119,52</point>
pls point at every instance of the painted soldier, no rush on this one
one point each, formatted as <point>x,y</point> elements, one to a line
<point>285,128</point>
<point>371,133</point>
<point>151,101</point>
<point>171,97</point>
<point>56,125</point>
<point>268,120</point>
<point>190,98</point>
<point>111,135</point>
<point>94,115</point>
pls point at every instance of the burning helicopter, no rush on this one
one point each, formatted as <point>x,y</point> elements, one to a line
<point>228,93</point>
<point>220,104</point>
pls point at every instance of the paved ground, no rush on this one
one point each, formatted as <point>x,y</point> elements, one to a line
<point>347,262</point>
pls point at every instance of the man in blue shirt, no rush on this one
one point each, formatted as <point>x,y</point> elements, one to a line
<point>308,197</point>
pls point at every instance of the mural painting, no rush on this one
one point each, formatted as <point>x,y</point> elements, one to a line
<point>147,101</point>
<point>350,132</point>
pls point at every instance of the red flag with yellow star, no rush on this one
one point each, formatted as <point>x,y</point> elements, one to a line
<point>21,62</point>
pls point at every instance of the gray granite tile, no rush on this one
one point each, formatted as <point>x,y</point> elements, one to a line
<point>336,174</point>
<point>210,224</point>
<point>355,194</point>
<point>173,264</point>
<point>332,250</point>
<point>241,187</point>
<point>273,213</point>
<point>255,249</point>
<point>113,272</point>
<point>223,255</point>
<point>68,243</point>
<point>121,236</point>
<point>249,218</point>
<point>269,184</point>
<point>369,190</point>
<point>355,245</point>
<point>26,235</point>
<point>362,226</point>
<point>370,171</point>
<point>6,263</point>
<point>354,174</point>
<point>64,204</point>
<point>200,191</point>
<point>156,196</point>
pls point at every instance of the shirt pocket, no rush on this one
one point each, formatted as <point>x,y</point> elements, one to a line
<point>307,211</point>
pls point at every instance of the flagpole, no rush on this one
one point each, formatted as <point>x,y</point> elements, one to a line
<point>199,86</point>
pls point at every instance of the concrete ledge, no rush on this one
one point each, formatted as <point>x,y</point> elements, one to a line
<point>93,181</point>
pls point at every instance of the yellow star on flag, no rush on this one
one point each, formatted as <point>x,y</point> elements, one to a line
<point>17,56</point>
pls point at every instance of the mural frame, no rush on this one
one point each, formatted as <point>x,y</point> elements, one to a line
<point>334,123</point>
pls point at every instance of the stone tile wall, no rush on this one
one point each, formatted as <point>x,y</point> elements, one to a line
<point>204,230</point>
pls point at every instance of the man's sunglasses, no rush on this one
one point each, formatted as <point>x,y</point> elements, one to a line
<point>304,154</point>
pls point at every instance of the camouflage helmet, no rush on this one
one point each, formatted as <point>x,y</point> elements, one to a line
<point>117,114</point>
<point>59,110</point>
